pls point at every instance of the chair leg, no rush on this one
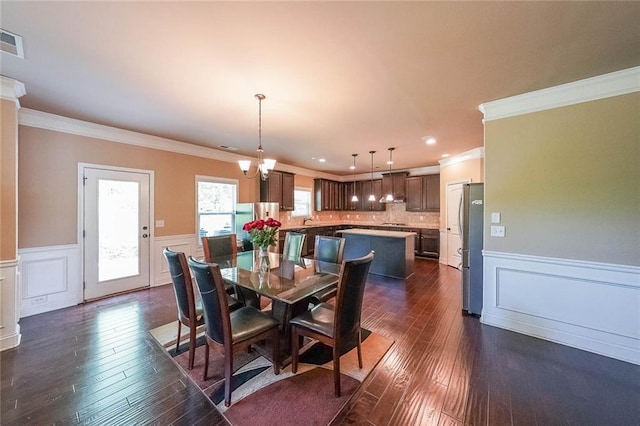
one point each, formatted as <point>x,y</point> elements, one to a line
<point>359,350</point>
<point>192,346</point>
<point>336,370</point>
<point>276,351</point>
<point>228,373</point>
<point>206,360</point>
<point>178,338</point>
<point>294,349</point>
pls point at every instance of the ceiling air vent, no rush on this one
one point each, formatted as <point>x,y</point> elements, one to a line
<point>11,43</point>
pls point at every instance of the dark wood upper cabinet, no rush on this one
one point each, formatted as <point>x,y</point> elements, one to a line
<point>278,188</point>
<point>423,193</point>
<point>395,184</point>
<point>364,189</point>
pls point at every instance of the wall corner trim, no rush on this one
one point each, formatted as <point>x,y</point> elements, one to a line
<point>590,89</point>
<point>11,90</point>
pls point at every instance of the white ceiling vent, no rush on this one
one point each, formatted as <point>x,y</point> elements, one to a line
<point>11,43</point>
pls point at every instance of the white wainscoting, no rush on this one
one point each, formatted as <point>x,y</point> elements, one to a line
<point>591,306</point>
<point>9,327</point>
<point>185,243</point>
<point>50,278</point>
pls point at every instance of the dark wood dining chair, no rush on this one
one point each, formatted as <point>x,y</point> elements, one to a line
<point>189,312</point>
<point>339,326</point>
<point>226,331</point>
<point>292,246</point>
<point>331,250</point>
<point>226,245</point>
<point>221,245</point>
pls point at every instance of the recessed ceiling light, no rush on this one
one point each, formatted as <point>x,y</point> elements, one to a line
<point>429,140</point>
<point>322,160</point>
<point>445,155</point>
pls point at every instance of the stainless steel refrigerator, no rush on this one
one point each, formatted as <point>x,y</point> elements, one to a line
<point>471,215</point>
<point>246,212</point>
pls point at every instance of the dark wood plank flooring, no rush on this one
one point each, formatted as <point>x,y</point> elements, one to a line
<point>97,364</point>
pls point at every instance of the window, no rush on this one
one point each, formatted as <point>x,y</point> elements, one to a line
<point>216,200</point>
<point>301,202</point>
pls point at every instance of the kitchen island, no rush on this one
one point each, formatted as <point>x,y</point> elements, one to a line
<point>394,250</point>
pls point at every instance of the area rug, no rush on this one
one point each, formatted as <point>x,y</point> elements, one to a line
<point>260,397</point>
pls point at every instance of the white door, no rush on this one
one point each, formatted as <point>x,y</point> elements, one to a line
<point>454,237</point>
<point>116,231</point>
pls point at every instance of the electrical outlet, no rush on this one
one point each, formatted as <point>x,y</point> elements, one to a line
<point>497,231</point>
<point>160,223</point>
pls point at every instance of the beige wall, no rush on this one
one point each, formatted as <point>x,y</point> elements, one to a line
<point>567,181</point>
<point>8,184</point>
<point>48,168</point>
<point>470,170</point>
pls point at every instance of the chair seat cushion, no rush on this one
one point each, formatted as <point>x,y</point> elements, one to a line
<point>318,319</point>
<point>324,295</point>
<point>248,322</point>
<point>234,303</point>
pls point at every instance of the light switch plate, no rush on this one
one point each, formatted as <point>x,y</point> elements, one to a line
<point>495,217</point>
<point>497,231</point>
<point>159,223</point>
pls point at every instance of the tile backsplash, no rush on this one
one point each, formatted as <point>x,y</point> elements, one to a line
<point>394,213</point>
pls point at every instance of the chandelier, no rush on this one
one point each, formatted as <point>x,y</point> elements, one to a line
<point>354,198</point>
<point>389,197</point>
<point>264,164</point>
<point>372,197</point>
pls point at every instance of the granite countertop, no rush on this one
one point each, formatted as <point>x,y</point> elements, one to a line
<point>379,233</point>
<point>322,225</point>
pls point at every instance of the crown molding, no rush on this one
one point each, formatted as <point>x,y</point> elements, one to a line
<point>465,156</point>
<point>11,90</point>
<point>44,120</point>
<point>590,89</point>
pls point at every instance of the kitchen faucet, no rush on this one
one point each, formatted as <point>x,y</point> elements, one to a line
<point>304,221</point>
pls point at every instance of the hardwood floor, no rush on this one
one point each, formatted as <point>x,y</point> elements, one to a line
<point>97,364</point>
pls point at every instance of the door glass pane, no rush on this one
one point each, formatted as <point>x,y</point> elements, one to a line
<point>118,244</point>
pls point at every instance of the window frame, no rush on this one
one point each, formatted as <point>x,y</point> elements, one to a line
<point>310,192</point>
<point>219,180</point>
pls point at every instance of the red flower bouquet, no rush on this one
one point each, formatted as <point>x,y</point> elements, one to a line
<point>263,232</point>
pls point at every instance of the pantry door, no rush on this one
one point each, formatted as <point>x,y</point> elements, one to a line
<point>116,232</point>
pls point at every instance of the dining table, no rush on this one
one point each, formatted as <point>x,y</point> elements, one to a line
<point>287,282</point>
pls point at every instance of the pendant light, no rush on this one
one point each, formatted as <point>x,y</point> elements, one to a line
<point>264,164</point>
<point>354,198</point>
<point>372,197</point>
<point>389,198</point>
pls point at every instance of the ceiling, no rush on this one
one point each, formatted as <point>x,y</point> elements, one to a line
<point>339,77</point>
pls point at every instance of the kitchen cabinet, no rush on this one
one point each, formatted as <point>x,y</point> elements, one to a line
<point>349,189</point>
<point>423,193</point>
<point>429,243</point>
<point>328,195</point>
<point>395,184</point>
<point>278,188</point>
<point>364,188</point>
